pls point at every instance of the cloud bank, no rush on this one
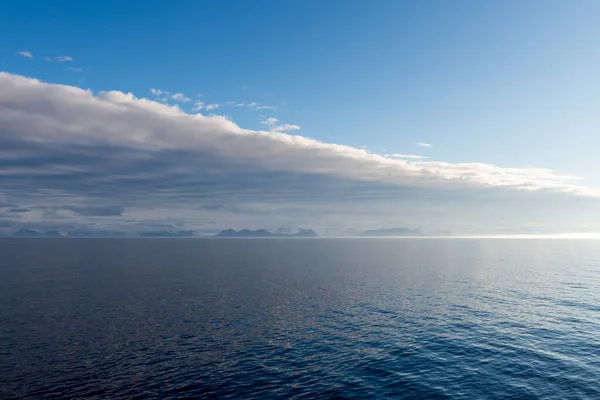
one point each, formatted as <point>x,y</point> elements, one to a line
<point>65,148</point>
<point>48,115</point>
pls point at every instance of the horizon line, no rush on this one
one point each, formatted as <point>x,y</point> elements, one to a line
<point>570,236</point>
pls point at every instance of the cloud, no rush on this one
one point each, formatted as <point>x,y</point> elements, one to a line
<point>180,97</point>
<point>421,144</point>
<point>74,69</point>
<point>59,59</point>
<point>84,155</point>
<point>19,210</point>
<point>94,211</point>
<point>199,106</point>
<point>52,114</point>
<point>254,106</point>
<point>158,92</point>
<point>272,123</point>
<point>25,53</point>
<point>406,156</point>
<point>164,96</point>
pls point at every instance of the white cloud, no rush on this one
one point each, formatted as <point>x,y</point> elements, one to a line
<point>180,97</point>
<point>74,69</point>
<point>254,106</point>
<point>38,112</point>
<point>25,53</point>
<point>285,127</point>
<point>158,92</point>
<point>59,59</point>
<point>421,144</point>
<point>199,106</point>
<point>271,122</point>
<point>406,156</point>
<point>164,96</point>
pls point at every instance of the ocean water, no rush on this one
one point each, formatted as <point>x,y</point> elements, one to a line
<point>281,318</point>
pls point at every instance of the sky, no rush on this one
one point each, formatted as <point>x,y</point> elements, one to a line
<point>462,117</point>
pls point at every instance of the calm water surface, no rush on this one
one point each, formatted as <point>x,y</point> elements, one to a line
<point>354,318</point>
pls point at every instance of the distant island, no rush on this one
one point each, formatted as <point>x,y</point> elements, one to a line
<point>264,233</point>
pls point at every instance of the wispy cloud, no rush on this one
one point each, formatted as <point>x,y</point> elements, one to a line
<point>158,92</point>
<point>274,126</point>
<point>59,59</point>
<point>182,98</point>
<point>164,96</point>
<point>25,53</point>
<point>271,121</point>
<point>199,106</point>
<point>75,69</point>
<point>254,106</point>
<point>421,144</point>
<point>406,156</point>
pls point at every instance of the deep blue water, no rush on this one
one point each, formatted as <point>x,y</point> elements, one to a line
<point>354,318</point>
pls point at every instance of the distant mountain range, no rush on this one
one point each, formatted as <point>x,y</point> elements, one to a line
<point>52,233</point>
<point>264,233</point>
<point>34,233</point>
<point>166,233</point>
<point>229,233</point>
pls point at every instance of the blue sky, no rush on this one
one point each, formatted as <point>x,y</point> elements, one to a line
<point>511,84</point>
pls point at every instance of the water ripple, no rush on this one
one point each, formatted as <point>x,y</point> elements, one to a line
<point>341,319</point>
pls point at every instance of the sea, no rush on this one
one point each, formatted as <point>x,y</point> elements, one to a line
<point>299,319</point>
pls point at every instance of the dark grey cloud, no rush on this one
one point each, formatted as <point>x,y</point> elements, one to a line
<point>95,211</point>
